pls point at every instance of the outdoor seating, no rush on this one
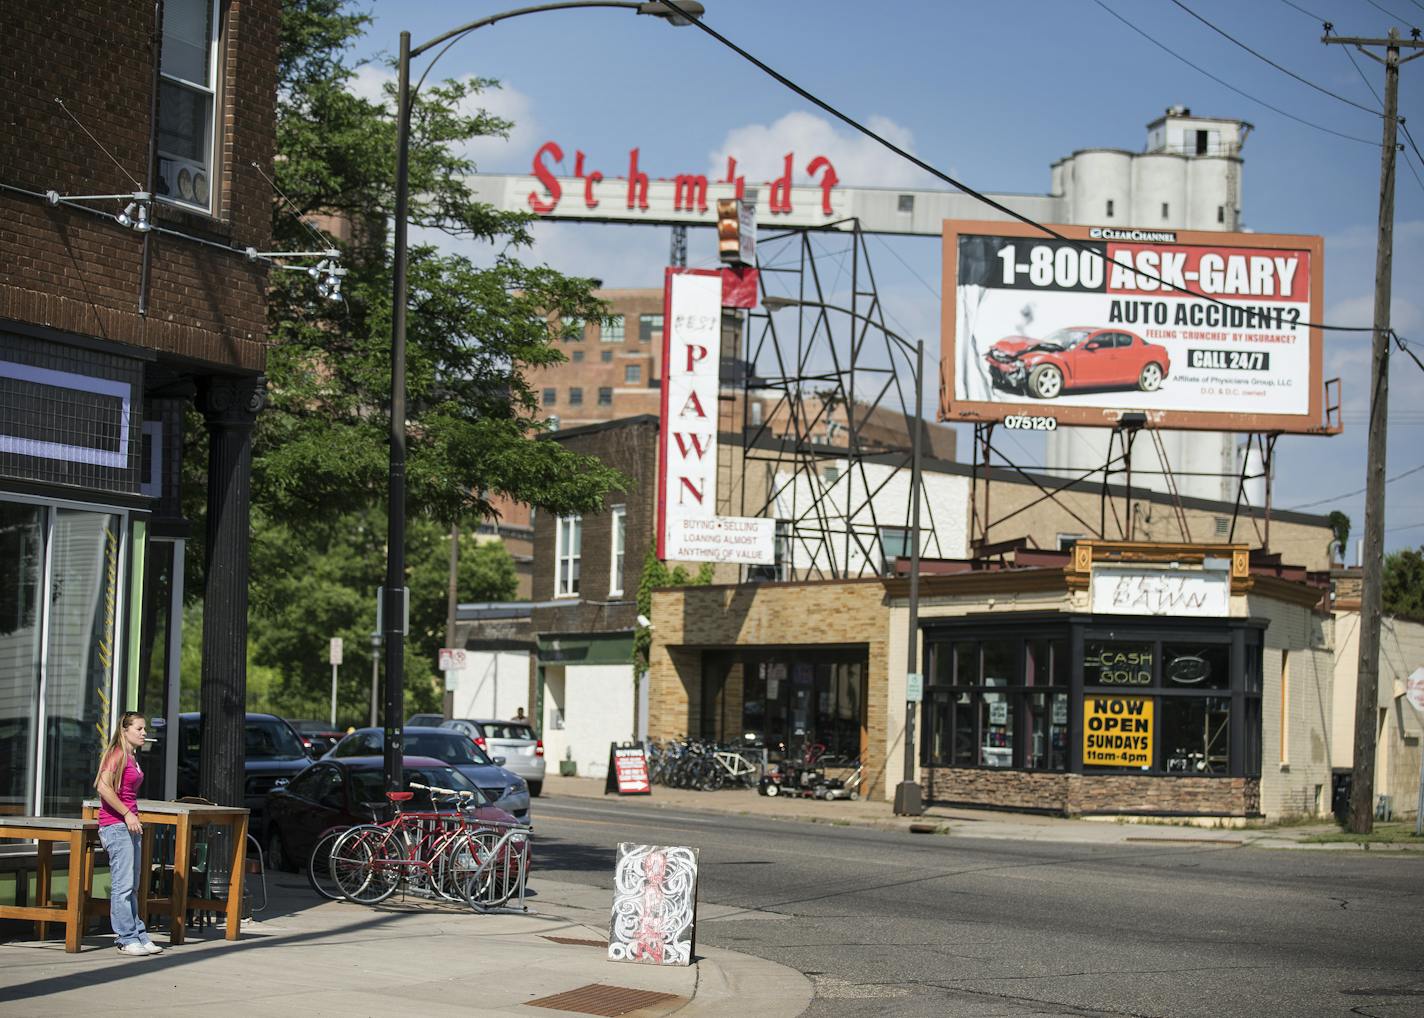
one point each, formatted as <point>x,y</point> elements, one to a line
<point>185,894</point>
<point>81,836</point>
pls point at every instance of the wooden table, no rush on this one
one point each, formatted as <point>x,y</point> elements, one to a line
<point>183,817</point>
<point>81,837</point>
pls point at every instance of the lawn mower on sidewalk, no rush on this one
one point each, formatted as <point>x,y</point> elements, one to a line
<point>795,778</point>
<point>839,788</point>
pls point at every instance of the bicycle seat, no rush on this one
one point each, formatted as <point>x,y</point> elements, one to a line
<point>400,796</point>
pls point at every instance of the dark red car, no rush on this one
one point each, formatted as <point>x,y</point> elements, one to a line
<point>342,793</point>
<point>1078,357</point>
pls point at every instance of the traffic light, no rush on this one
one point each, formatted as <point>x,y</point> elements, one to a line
<point>736,231</point>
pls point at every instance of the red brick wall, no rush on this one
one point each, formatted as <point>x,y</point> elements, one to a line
<point>78,272</point>
<point>1094,793</point>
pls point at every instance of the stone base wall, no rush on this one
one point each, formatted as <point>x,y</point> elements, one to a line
<point>1094,793</point>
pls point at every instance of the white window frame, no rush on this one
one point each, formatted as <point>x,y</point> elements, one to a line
<point>210,88</point>
<point>617,545</point>
<point>567,584</point>
<point>610,333</point>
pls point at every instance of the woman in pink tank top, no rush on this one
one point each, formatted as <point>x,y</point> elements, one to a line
<point>122,834</point>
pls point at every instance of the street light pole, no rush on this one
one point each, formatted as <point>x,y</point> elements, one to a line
<point>908,798</point>
<point>395,596</point>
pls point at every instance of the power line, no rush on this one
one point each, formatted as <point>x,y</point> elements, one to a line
<point>1386,10</point>
<point>1226,84</point>
<point>1358,491</point>
<point>939,174</point>
<point>1261,56</point>
<point>1302,10</point>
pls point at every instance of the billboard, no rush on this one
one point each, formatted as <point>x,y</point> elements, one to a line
<point>1194,329</point>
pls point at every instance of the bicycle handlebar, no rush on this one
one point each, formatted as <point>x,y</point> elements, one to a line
<point>432,789</point>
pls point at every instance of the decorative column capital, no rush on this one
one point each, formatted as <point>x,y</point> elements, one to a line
<point>228,402</point>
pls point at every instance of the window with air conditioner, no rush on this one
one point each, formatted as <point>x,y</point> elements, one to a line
<point>187,101</point>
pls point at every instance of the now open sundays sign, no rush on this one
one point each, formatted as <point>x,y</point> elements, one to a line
<point>1117,731</point>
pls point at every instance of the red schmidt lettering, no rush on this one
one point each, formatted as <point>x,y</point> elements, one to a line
<point>690,190</point>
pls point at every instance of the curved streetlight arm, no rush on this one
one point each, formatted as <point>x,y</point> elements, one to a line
<point>654,8</point>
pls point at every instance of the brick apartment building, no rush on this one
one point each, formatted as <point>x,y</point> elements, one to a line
<point>118,316</point>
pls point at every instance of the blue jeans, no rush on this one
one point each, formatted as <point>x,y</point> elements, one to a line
<point>125,858</point>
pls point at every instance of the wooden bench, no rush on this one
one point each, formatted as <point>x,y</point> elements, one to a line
<point>81,836</point>
<point>183,817</point>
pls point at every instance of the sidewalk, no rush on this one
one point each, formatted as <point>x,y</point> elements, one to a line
<point>303,956</point>
<point>970,823</point>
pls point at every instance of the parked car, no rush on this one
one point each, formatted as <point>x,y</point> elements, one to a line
<point>341,793</point>
<point>1080,357</point>
<point>424,720</point>
<point>273,750</point>
<point>317,736</point>
<point>503,788</point>
<point>514,740</point>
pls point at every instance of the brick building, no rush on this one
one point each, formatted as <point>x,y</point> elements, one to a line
<point>1026,664</point>
<point>117,316</point>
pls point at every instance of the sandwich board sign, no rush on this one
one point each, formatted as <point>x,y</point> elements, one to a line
<point>627,770</point>
<point>654,919</point>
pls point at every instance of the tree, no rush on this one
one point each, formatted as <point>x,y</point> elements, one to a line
<point>320,448</point>
<point>322,583</point>
<point>1402,591</point>
<point>1340,528</point>
<point>472,331</point>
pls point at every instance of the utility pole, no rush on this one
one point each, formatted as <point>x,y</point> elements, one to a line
<point>909,799</point>
<point>453,598</point>
<point>1362,778</point>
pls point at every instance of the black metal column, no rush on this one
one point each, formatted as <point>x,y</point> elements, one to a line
<point>230,407</point>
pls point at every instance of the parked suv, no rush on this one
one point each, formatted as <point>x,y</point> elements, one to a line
<point>273,751</point>
<point>502,788</point>
<point>514,740</point>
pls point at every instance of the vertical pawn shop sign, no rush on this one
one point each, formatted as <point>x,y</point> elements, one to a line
<point>689,529</point>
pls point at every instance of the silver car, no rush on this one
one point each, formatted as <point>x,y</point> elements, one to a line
<point>513,740</point>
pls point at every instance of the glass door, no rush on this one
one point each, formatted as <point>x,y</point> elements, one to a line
<point>22,540</point>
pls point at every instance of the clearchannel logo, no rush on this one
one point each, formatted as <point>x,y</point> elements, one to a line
<point>1141,236</point>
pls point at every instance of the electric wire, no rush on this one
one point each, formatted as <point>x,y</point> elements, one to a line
<point>292,208</point>
<point>1315,17</point>
<point>1399,120</point>
<point>938,174</point>
<point>1284,70</point>
<point>1392,14</point>
<point>1358,491</point>
<point>1227,85</point>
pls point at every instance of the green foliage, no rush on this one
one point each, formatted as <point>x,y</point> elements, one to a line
<point>320,582</point>
<point>1402,591</point>
<point>656,574</point>
<point>472,331</point>
<point>1340,527</point>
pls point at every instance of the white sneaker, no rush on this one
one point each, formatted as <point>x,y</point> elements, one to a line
<point>135,950</point>
<point>151,948</point>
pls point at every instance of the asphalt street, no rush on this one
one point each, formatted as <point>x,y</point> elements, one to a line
<point>885,923</point>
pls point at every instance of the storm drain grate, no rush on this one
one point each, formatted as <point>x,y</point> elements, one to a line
<point>577,941</point>
<point>600,999</point>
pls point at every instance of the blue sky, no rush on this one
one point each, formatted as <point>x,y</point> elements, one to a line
<point>992,94</point>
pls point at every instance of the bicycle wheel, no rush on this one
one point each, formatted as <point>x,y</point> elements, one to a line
<point>488,880</point>
<point>319,873</point>
<point>358,864</point>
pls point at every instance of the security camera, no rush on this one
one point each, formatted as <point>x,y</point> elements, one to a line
<point>644,622</point>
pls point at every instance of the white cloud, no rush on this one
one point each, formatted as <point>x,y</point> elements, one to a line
<point>760,151</point>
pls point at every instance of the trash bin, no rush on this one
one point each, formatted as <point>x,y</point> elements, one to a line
<point>1340,795</point>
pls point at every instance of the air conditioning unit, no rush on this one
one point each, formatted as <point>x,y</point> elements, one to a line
<point>183,180</point>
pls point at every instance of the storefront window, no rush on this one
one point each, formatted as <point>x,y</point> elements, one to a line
<point>21,573</point>
<point>1199,666</point>
<point>994,703</point>
<point>786,700</point>
<point>1117,663</point>
<point>1196,734</point>
<point>80,652</point>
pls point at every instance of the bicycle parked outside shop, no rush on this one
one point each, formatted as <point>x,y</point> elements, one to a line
<point>442,854</point>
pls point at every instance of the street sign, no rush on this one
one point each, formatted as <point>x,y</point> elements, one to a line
<point>334,652</point>
<point>452,658</point>
<point>1414,690</point>
<point>914,687</point>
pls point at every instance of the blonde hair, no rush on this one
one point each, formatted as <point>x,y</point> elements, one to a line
<point>116,741</point>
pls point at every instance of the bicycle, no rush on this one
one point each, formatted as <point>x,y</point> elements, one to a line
<point>434,854</point>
